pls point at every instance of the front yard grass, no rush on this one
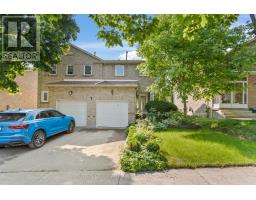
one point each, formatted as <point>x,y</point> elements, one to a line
<point>185,148</point>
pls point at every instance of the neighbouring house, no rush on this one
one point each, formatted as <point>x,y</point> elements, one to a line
<point>235,104</point>
<point>27,96</point>
<point>97,92</point>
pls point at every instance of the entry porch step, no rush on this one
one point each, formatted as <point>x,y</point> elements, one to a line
<point>237,114</point>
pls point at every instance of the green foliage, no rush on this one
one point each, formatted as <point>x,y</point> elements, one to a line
<point>202,67</point>
<point>56,31</point>
<point>113,29</point>
<point>160,106</point>
<point>142,161</point>
<point>131,130</point>
<point>152,146</point>
<point>242,129</point>
<point>141,137</point>
<point>142,152</point>
<point>194,23</point>
<point>163,121</point>
<point>133,144</point>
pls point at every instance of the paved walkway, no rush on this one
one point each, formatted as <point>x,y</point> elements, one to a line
<point>202,176</point>
<point>91,157</point>
<point>214,176</point>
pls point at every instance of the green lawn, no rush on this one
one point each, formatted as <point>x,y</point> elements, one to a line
<point>205,148</point>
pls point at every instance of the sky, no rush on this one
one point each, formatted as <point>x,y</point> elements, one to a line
<point>87,40</point>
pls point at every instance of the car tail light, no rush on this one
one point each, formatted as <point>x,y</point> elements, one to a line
<point>21,126</point>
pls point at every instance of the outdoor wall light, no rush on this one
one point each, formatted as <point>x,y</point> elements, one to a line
<point>70,93</point>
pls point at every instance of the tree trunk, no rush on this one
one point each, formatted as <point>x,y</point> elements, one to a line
<point>185,109</point>
<point>212,109</point>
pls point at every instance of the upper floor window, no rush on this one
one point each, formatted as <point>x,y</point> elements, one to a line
<point>119,70</point>
<point>70,70</point>
<point>53,70</point>
<point>87,70</point>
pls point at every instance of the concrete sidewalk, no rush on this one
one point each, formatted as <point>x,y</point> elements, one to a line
<point>204,176</point>
<point>201,176</point>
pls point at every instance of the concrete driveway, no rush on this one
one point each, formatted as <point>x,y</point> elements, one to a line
<point>91,157</point>
<point>83,157</point>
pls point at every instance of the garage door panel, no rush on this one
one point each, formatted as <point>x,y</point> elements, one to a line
<point>112,114</point>
<point>77,109</point>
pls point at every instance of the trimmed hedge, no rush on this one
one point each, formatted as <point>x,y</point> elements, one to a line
<point>152,146</point>
<point>132,161</point>
<point>160,106</point>
<point>142,153</point>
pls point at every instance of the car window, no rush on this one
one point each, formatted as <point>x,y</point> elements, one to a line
<point>42,115</point>
<point>59,113</point>
<point>54,113</point>
<point>11,117</point>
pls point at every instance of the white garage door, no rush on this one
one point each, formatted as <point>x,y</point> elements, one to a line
<point>111,114</point>
<point>77,109</point>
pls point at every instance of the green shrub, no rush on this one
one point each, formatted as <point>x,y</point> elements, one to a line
<point>133,144</point>
<point>142,161</point>
<point>160,106</point>
<point>142,152</point>
<point>163,121</point>
<point>131,130</point>
<point>237,128</point>
<point>161,125</point>
<point>154,116</point>
<point>152,146</point>
<point>141,137</point>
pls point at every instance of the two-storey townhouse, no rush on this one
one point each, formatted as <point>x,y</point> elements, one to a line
<point>97,92</point>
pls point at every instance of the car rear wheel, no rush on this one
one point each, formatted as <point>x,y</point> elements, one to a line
<point>71,127</point>
<point>38,140</point>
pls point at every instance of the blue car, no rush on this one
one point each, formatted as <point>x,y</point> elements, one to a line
<point>32,127</point>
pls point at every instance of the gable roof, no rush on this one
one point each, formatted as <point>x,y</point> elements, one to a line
<point>122,61</point>
<point>86,52</point>
<point>102,61</point>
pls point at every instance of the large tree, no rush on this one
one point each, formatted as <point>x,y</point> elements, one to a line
<point>56,31</point>
<point>114,29</point>
<point>201,67</point>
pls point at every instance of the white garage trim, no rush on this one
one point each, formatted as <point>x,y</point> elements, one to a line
<point>75,108</point>
<point>112,113</point>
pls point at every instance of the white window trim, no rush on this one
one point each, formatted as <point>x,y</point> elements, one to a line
<point>55,73</point>
<point>84,70</point>
<point>42,96</point>
<point>67,70</point>
<point>116,66</point>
